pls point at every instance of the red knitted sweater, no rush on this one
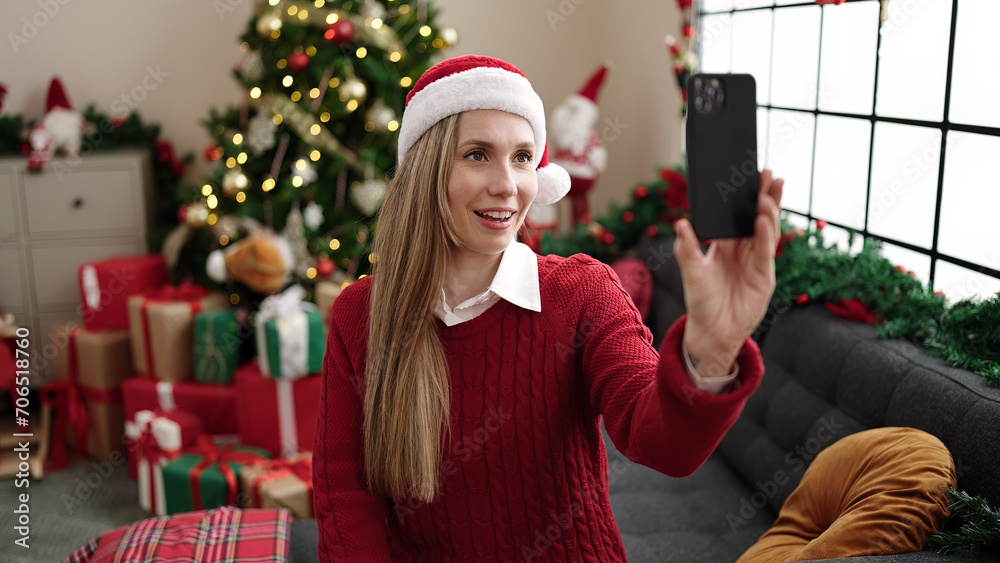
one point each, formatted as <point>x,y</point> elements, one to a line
<point>525,475</point>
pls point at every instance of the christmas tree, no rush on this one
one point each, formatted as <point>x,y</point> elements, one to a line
<point>304,159</point>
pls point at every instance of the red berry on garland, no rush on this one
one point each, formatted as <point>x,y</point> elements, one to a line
<point>118,121</point>
<point>324,267</point>
<point>339,32</point>
<point>607,237</point>
<point>298,61</point>
<point>652,231</point>
<point>687,31</point>
<point>802,299</point>
<point>641,192</point>
<point>820,224</point>
<point>213,153</point>
<point>182,213</point>
<point>628,216</point>
<point>585,218</point>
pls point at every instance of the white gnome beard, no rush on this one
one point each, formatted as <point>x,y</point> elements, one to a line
<point>571,124</point>
<point>66,128</point>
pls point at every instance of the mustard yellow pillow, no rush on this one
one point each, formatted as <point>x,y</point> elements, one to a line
<point>877,492</point>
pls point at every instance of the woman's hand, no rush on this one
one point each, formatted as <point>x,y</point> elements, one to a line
<point>727,290</point>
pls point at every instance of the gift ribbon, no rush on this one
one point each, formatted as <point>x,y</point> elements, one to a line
<point>287,430</point>
<point>189,292</point>
<point>854,310</point>
<point>165,395</point>
<point>91,288</point>
<point>212,365</point>
<point>222,455</point>
<point>79,419</point>
<point>287,309</point>
<point>55,394</point>
<point>279,469</point>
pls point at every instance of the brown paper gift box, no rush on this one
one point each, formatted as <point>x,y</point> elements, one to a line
<point>288,491</point>
<point>103,361</point>
<point>325,294</point>
<point>171,330</point>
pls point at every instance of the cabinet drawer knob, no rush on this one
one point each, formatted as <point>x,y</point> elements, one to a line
<point>78,203</point>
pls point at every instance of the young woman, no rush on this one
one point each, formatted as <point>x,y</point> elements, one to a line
<point>466,379</point>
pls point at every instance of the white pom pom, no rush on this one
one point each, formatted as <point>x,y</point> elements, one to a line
<point>215,266</point>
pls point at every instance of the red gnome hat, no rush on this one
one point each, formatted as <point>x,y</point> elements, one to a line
<point>593,85</point>
<point>3,92</point>
<point>56,97</point>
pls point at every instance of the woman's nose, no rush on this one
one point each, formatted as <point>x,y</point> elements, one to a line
<point>502,181</point>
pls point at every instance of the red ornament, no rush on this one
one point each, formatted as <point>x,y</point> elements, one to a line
<point>802,299</point>
<point>585,218</point>
<point>298,61</point>
<point>628,216</point>
<point>682,4</point>
<point>324,267</point>
<point>607,238</point>
<point>213,153</point>
<point>118,121</point>
<point>688,31</point>
<point>339,32</point>
<point>641,192</point>
<point>653,231</point>
<point>182,213</point>
<point>820,224</point>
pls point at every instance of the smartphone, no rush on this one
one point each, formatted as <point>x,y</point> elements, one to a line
<point>722,155</point>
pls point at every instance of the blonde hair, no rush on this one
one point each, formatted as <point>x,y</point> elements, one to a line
<point>406,376</point>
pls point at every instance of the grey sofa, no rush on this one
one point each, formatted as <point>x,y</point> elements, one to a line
<point>825,378</point>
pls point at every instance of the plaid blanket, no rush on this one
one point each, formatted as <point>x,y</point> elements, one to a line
<point>222,535</point>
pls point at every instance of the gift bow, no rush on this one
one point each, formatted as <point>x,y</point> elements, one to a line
<point>149,447</point>
<point>280,468</point>
<point>66,397</point>
<point>286,308</point>
<point>223,455</point>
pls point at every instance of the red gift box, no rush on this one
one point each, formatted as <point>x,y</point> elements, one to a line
<point>214,405</point>
<point>278,415</point>
<point>105,287</point>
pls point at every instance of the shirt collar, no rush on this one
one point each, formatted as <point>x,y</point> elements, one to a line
<point>516,279</point>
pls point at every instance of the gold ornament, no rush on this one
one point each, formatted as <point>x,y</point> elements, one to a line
<point>268,23</point>
<point>449,35</point>
<point>234,181</point>
<point>353,89</point>
<point>381,115</point>
<point>197,215</point>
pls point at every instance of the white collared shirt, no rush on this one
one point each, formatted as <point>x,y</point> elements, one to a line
<point>516,281</point>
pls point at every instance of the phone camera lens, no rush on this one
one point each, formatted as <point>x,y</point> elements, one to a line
<point>703,104</point>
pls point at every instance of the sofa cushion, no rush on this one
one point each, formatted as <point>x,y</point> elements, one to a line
<point>876,492</point>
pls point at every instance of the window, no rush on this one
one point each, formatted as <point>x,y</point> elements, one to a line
<point>881,115</point>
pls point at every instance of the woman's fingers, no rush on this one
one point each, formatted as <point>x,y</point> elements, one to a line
<point>686,247</point>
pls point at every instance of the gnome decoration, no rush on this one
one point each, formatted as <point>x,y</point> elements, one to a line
<point>60,130</point>
<point>3,93</point>
<point>575,143</point>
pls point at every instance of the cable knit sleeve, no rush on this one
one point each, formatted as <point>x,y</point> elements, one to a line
<point>352,522</point>
<point>652,411</point>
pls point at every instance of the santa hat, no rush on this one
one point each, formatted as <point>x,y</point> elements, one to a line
<point>56,97</point>
<point>472,82</point>
<point>594,83</point>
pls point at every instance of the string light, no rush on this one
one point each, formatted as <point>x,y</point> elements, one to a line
<point>234,299</point>
<point>352,105</point>
<point>297,181</point>
<point>362,236</point>
<point>212,202</point>
<point>274,2</point>
<point>300,164</point>
<point>315,129</point>
<point>332,18</point>
<point>406,82</point>
<point>206,190</point>
<point>241,197</point>
<point>223,240</point>
<point>314,93</point>
<point>369,126</point>
<point>395,56</point>
<point>230,162</point>
<point>303,14</point>
<point>404,9</point>
<point>311,50</point>
<point>212,219</point>
<point>425,31</point>
<point>376,23</point>
<point>334,82</point>
<point>277,119</point>
<point>437,43</point>
<point>314,156</point>
<point>334,244</point>
<point>362,52</point>
<point>241,158</point>
<point>311,273</point>
<point>292,10</point>
<point>244,47</point>
<point>238,139</point>
<point>295,96</point>
<point>319,3</point>
<point>325,116</point>
<point>287,81</point>
<point>255,92</point>
<point>393,125</point>
<point>282,63</point>
<point>268,185</point>
<point>276,34</point>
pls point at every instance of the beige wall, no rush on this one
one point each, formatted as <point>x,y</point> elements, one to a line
<point>177,55</point>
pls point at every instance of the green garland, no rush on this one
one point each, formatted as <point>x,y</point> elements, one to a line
<point>103,133</point>
<point>978,525</point>
<point>965,335</point>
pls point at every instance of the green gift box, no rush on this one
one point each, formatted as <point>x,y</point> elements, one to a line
<point>206,477</point>
<point>216,346</point>
<point>293,344</point>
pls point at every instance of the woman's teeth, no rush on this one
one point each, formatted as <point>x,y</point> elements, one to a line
<point>495,215</point>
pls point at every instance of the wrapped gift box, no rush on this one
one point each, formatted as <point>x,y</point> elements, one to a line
<point>157,438</point>
<point>105,287</point>
<point>325,294</point>
<point>207,476</point>
<point>217,345</point>
<point>214,405</point>
<point>93,364</point>
<point>281,483</point>
<point>278,415</point>
<point>291,337</point>
<point>161,323</point>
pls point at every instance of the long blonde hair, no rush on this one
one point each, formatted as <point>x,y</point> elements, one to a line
<point>406,377</point>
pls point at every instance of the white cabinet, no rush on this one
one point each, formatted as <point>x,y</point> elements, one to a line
<point>73,211</point>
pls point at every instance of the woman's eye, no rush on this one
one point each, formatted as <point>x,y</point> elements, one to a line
<point>523,158</point>
<point>477,156</point>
